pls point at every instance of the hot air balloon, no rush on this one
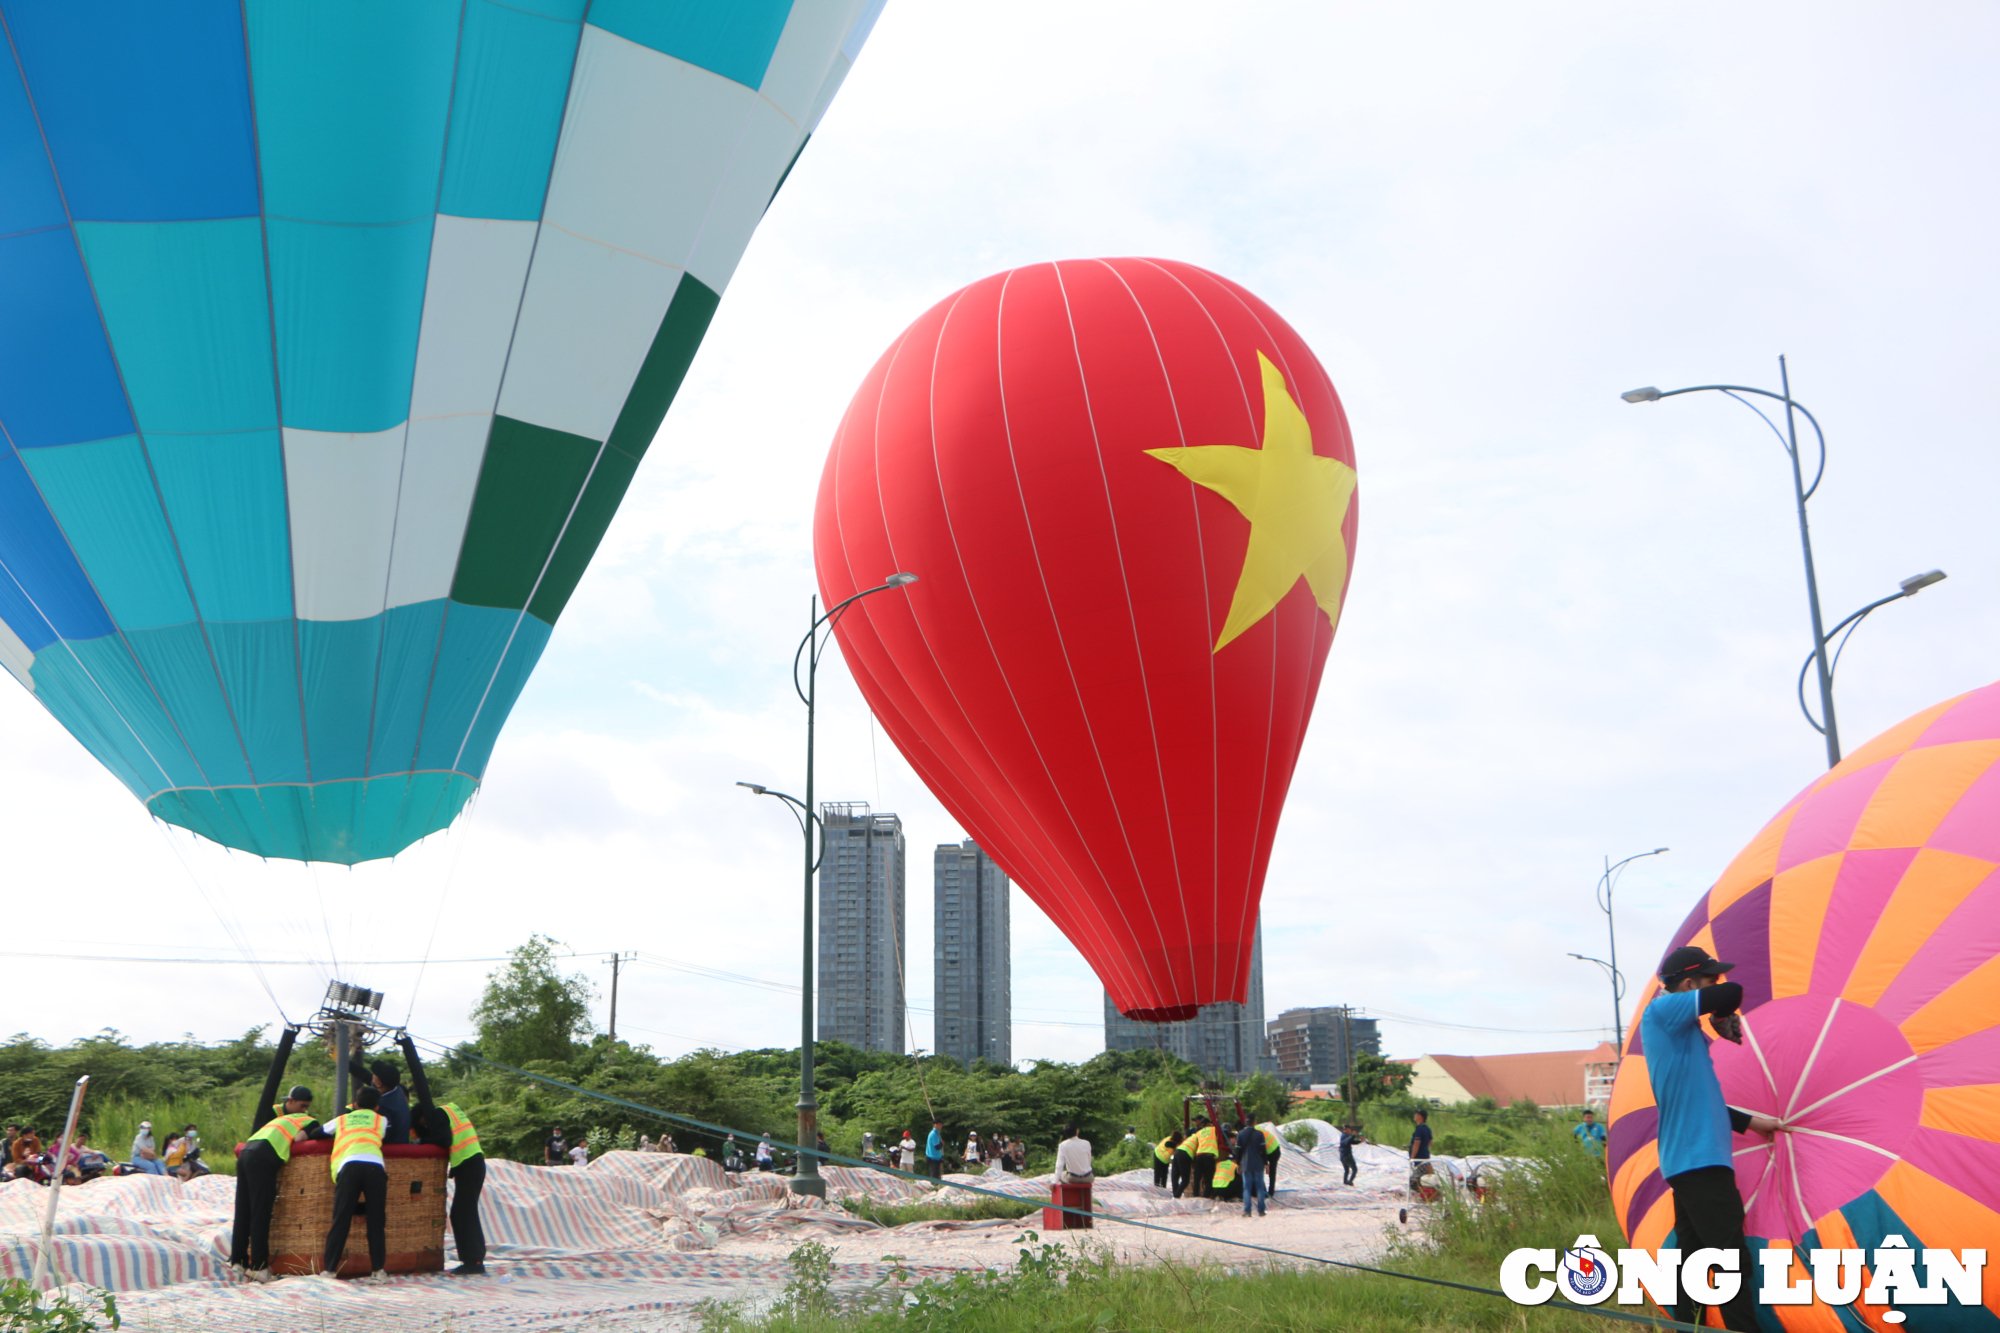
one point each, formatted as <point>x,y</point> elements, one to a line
<point>1864,922</point>
<point>331,336</point>
<point>1127,488</point>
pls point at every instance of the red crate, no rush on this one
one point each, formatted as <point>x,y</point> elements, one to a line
<point>1067,1196</point>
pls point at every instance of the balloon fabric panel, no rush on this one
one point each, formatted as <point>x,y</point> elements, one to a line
<point>1068,455</point>
<point>1865,925</point>
<point>309,426</point>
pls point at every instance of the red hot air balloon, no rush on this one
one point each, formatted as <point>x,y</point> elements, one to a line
<point>1128,489</point>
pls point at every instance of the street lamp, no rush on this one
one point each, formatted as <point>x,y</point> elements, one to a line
<point>807,1179</point>
<point>1617,988</point>
<point>1605,883</point>
<point>1909,587</point>
<point>1789,437</point>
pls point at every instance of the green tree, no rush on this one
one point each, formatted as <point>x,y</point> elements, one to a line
<point>532,1012</point>
<point>1378,1079</point>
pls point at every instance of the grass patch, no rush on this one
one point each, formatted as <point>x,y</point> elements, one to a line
<point>1054,1288</point>
<point>975,1208</point>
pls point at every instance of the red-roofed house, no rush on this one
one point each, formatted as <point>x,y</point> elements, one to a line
<point>1546,1078</point>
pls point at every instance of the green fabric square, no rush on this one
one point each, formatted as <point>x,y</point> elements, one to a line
<point>527,487</point>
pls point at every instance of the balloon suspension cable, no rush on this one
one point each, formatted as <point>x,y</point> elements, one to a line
<point>230,926</point>
<point>909,1025</point>
<point>964,1187</point>
<point>463,835</point>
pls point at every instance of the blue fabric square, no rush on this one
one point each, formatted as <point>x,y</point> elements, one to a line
<point>225,502</point>
<point>57,382</point>
<point>190,321</point>
<point>182,671</point>
<point>734,40</point>
<point>506,111</point>
<point>259,665</point>
<point>30,199</point>
<point>150,126</point>
<point>351,104</point>
<point>47,587</point>
<point>340,659</point>
<point>349,303</point>
<point>102,494</point>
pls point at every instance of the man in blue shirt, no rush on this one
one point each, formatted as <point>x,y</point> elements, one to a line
<point>1420,1153</point>
<point>1590,1134</point>
<point>1695,1124</point>
<point>934,1150</point>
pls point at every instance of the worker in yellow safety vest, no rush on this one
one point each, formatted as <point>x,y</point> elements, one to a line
<point>1203,1149</point>
<point>450,1128</point>
<point>360,1176</point>
<point>1225,1185</point>
<point>1163,1158</point>
<point>257,1167</point>
<point>1273,1148</point>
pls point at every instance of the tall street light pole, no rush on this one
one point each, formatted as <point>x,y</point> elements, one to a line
<point>1802,492</point>
<point>1605,884</point>
<point>807,1179</point>
<point>1909,587</point>
<point>1617,990</point>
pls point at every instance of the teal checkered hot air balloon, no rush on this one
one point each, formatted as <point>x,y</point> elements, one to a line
<point>331,335</point>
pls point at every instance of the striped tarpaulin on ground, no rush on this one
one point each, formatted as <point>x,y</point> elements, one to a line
<point>618,1242</point>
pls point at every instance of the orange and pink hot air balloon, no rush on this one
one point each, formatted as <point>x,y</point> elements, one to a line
<point>1864,922</point>
<point>1128,488</point>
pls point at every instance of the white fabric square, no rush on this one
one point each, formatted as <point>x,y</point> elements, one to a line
<point>813,37</point>
<point>586,325</point>
<point>765,146</point>
<point>440,473</point>
<point>343,499</point>
<point>16,657</point>
<point>646,140</point>
<point>478,268</point>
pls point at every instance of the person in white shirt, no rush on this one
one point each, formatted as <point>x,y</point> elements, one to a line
<point>767,1156</point>
<point>1073,1164</point>
<point>907,1152</point>
<point>971,1149</point>
<point>580,1154</point>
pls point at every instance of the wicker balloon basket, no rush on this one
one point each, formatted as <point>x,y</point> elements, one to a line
<point>304,1211</point>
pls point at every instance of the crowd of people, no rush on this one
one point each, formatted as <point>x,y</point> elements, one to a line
<point>30,1154</point>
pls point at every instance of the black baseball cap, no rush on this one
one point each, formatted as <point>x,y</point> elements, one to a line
<point>299,1093</point>
<point>1690,960</point>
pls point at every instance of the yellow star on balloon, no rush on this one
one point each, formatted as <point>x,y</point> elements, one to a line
<point>1295,501</point>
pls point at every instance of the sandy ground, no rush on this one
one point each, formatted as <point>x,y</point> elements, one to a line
<point>1356,1234</point>
<point>638,1242</point>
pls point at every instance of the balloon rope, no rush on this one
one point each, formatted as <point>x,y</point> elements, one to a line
<point>464,834</point>
<point>1623,1316</point>
<point>230,926</point>
<point>909,1025</point>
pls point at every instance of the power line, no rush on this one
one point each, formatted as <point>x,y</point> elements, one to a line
<point>243,962</point>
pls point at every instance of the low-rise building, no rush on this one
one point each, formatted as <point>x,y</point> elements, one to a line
<point>1546,1078</point>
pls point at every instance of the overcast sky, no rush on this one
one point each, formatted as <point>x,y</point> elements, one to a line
<point>1574,624</point>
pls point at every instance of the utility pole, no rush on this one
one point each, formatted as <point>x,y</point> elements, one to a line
<point>1347,1049</point>
<point>616,959</point>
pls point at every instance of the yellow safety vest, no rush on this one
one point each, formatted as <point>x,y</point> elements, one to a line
<point>1201,1143</point>
<point>1163,1150</point>
<point>1225,1172</point>
<point>1270,1141</point>
<point>282,1132</point>
<point>464,1139</point>
<point>357,1137</point>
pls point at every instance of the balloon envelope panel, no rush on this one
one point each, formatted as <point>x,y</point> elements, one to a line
<point>1865,925</point>
<point>1127,489</point>
<point>330,338</point>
